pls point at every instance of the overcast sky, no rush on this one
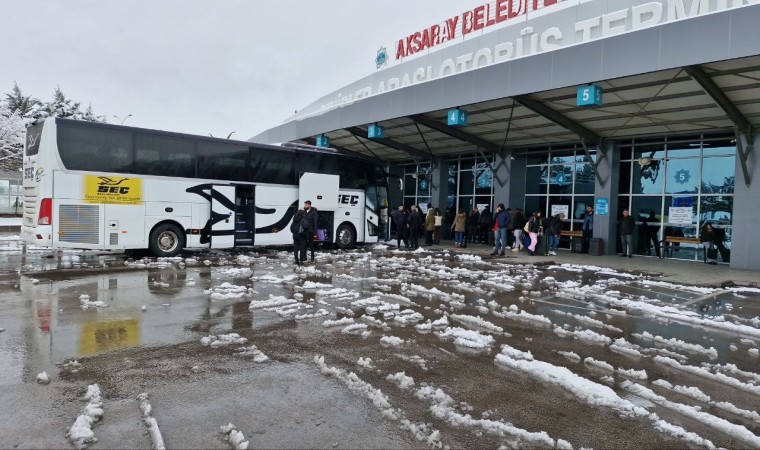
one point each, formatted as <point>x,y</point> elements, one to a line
<point>202,66</point>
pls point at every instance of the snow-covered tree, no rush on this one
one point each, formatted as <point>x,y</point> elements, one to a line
<point>61,107</point>
<point>12,127</point>
<point>25,105</point>
<point>90,116</point>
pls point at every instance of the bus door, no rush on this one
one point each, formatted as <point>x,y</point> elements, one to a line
<point>222,216</point>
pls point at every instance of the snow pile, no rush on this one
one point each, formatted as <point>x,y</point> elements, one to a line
<point>572,356</point>
<point>320,313</point>
<point>514,353</point>
<point>588,321</point>
<point>679,432</point>
<point>442,407</point>
<point>401,380</point>
<point>337,323</point>
<point>339,294</point>
<point>314,285</point>
<point>440,324</point>
<point>408,316</point>
<point>477,322</point>
<point>381,402</point>
<point>468,338</point>
<point>584,335</point>
<point>736,431</point>
<point>592,393</point>
<point>227,291</point>
<point>365,363</point>
<point>234,437</point>
<point>391,341</point>
<point>599,364</point>
<point>80,434</point>
<point>271,279</point>
<point>223,340</point>
<point>85,303</point>
<point>272,302</point>
<point>151,422</point>
<point>235,272</point>
<point>523,316</point>
<point>700,372</point>
<point>43,378</point>
<point>253,352</point>
<point>415,359</point>
<point>678,344</point>
<point>625,348</point>
<point>376,322</point>
<point>633,373</point>
<point>356,329</point>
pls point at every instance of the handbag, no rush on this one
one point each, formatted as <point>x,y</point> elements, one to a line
<point>526,228</point>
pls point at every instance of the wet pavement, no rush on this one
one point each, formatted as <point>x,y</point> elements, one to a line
<point>374,348</point>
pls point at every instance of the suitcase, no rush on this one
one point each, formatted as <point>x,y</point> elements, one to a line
<point>712,253</point>
<point>542,248</point>
<point>576,244</point>
<point>596,246</point>
<point>321,234</point>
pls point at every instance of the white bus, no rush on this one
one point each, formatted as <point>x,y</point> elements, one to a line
<point>106,187</point>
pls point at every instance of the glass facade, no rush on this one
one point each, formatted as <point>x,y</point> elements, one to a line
<point>673,187</point>
<point>417,179</point>
<point>470,183</point>
<point>561,180</point>
<point>11,196</point>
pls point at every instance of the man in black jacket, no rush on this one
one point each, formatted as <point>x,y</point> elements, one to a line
<point>414,226</point>
<point>625,229</point>
<point>485,224</point>
<point>309,222</point>
<point>400,221</point>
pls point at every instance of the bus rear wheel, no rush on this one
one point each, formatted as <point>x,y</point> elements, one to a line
<point>345,237</point>
<point>166,240</point>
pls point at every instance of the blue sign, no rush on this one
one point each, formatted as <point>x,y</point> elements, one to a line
<point>323,141</point>
<point>682,176</point>
<point>375,131</point>
<point>458,118</point>
<point>591,96</point>
<point>561,178</point>
<point>602,207</point>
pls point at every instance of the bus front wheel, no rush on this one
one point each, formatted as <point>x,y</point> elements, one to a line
<point>345,237</point>
<point>166,240</point>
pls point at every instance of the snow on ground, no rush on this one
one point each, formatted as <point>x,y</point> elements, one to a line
<point>700,372</point>
<point>401,380</point>
<point>43,378</point>
<point>223,340</point>
<point>391,341</point>
<point>227,291</point>
<point>677,344</point>
<point>271,302</point>
<point>151,422</point>
<point>80,434</point>
<point>477,323</point>
<point>468,338</point>
<point>254,353</point>
<point>584,335</point>
<point>234,437</point>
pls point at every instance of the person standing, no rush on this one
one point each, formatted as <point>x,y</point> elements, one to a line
<point>473,234</point>
<point>625,229</point>
<point>553,228</point>
<point>429,225</point>
<point>459,227</point>
<point>535,225</point>
<point>707,239</point>
<point>485,224</point>
<point>299,240</point>
<point>438,225</point>
<point>310,222</point>
<point>448,220</point>
<point>588,228</point>
<point>400,221</point>
<point>414,225</point>
<point>501,224</point>
<point>651,231</point>
<point>518,223</point>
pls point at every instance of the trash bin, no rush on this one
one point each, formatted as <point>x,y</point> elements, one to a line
<point>576,244</point>
<point>596,247</point>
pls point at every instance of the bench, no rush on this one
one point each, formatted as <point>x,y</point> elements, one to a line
<point>679,240</point>
<point>571,234</point>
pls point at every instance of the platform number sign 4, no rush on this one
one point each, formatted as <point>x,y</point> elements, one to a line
<point>458,118</point>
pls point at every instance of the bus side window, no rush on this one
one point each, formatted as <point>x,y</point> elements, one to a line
<point>98,150</point>
<point>272,166</point>
<point>167,156</point>
<point>219,161</point>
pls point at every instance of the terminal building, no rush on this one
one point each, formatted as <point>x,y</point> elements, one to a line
<point>557,105</point>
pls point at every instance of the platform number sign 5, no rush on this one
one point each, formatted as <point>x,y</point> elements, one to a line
<point>590,96</point>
